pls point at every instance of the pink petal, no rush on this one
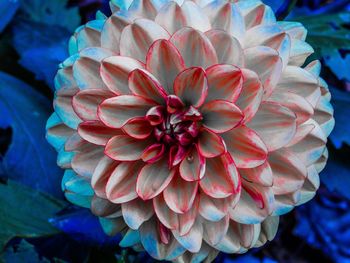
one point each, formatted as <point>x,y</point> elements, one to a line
<point>144,84</point>
<point>192,241</point>
<point>74,143</point>
<point>180,222</point>
<point>195,17</point>
<point>85,162</point>
<point>246,147</point>
<point>103,207</point>
<point>153,179</point>
<point>296,103</point>
<point>226,16</point>
<point>152,243</point>
<point>295,29</point>
<point>255,204</point>
<point>275,124</point>
<point>303,130</point>
<point>136,212</point>
<point>102,172</point>
<point>116,112</point>
<point>179,195</point>
<point>230,243</point>
<point>261,175</point>
<point>168,217</point>
<point>194,47</point>
<point>192,167</point>
<point>137,38</point>
<point>85,102</point>
<point>266,62</point>
<point>213,209</point>
<point>224,82</point>
<point>219,180</point>
<point>125,148</point>
<point>64,109</point>
<point>96,132</point>
<point>214,232</point>
<point>256,13</point>
<point>86,69</point>
<point>120,187</point>
<point>115,73</point>
<point>142,8</point>
<point>191,86</point>
<point>251,95</point>
<point>171,17</point>
<point>210,144</point>
<point>289,172</point>
<point>228,49</point>
<point>155,115</point>
<point>301,82</point>
<point>153,153</point>
<point>111,32</point>
<point>165,63</point>
<point>138,128</point>
<point>221,116</point>
<point>270,36</point>
<point>176,154</point>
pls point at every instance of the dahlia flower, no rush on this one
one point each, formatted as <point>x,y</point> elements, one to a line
<point>190,126</point>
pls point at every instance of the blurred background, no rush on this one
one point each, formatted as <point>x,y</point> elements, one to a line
<point>38,225</point>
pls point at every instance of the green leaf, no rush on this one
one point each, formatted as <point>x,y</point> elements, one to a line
<point>327,32</point>
<point>24,212</point>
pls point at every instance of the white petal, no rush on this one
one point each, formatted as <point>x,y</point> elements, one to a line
<point>136,212</point>
<point>139,36</point>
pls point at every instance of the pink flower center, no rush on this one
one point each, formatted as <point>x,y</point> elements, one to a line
<point>180,127</point>
<point>176,127</point>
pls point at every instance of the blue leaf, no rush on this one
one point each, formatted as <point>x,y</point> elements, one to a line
<point>274,4</point>
<point>53,12</point>
<point>325,224</point>
<point>341,132</point>
<point>29,159</point>
<point>7,10</point>
<point>41,47</point>
<point>338,65</point>
<point>83,227</point>
<point>336,176</point>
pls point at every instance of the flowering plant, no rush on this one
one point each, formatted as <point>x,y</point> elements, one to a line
<point>187,128</point>
<point>193,122</point>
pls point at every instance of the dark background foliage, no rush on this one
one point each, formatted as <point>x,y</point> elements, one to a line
<point>38,225</point>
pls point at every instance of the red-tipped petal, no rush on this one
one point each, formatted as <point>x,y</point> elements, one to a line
<point>224,82</point>
<point>220,115</point>
<point>191,86</point>
<point>180,194</point>
<point>120,187</point>
<point>192,167</point>
<point>245,146</point>
<point>96,132</point>
<point>164,62</point>
<point>116,112</point>
<point>144,84</point>
<point>85,102</point>
<point>210,144</point>
<point>138,128</point>
<point>153,153</point>
<point>153,179</point>
<point>125,148</point>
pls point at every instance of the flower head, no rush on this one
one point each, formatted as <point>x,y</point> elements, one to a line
<point>190,126</point>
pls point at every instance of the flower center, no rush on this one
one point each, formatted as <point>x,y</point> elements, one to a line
<point>179,127</point>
